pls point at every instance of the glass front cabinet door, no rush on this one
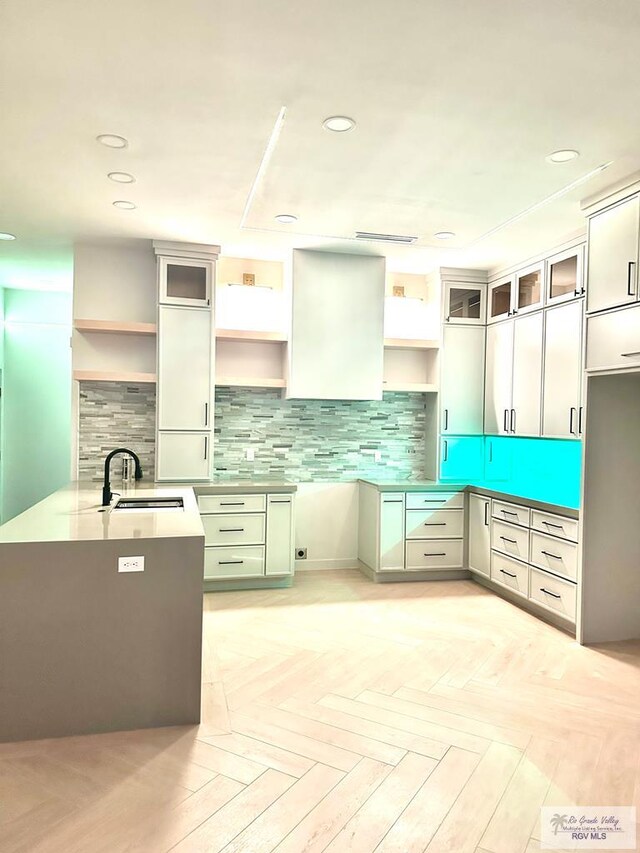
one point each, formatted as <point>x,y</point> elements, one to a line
<point>501,299</point>
<point>529,289</point>
<point>185,282</point>
<point>565,276</point>
<point>464,303</point>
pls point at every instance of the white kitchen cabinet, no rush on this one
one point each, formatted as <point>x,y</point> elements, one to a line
<point>391,532</point>
<point>501,299</point>
<point>183,456</point>
<point>565,276</point>
<point>184,368</point>
<point>513,381</point>
<point>527,375</point>
<point>185,281</point>
<point>464,303</point>
<point>479,534</point>
<point>561,401</point>
<point>498,379</point>
<point>462,380</point>
<point>612,267</point>
<point>279,535</point>
<point>336,346</point>
<point>529,289</point>
<point>613,340</point>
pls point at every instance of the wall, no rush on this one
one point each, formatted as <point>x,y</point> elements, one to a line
<point>318,440</point>
<point>36,432</point>
<point>115,414</point>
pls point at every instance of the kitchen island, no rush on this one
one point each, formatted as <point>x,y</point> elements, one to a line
<point>100,615</point>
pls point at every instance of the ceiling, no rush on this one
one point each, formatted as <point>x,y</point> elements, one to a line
<point>456,105</point>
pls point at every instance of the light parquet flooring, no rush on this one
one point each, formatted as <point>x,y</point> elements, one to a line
<point>340,715</point>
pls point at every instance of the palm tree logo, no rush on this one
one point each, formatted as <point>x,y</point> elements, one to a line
<point>557,822</point>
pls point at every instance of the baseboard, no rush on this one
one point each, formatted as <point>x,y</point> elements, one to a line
<point>334,563</point>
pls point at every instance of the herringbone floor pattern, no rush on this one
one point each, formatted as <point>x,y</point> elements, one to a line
<point>343,716</point>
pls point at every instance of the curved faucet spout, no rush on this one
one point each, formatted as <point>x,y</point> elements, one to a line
<point>106,488</point>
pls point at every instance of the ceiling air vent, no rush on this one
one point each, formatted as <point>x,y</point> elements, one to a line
<point>384,238</point>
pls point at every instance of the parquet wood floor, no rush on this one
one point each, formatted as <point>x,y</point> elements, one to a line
<point>340,715</point>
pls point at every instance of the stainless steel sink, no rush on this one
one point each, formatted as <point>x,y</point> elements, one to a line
<point>148,504</point>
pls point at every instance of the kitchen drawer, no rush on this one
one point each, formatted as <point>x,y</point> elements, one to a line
<point>555,555</point>
<point>434,554</point>
<point>510,540</point>
<point>613,340</point>
<point>510,573</point>
<point>555,525</point>
<point>232,503</point>
<point>434,523</point>
<point>234,529</point>
<point>513,513</point>
<point>435,500</point>
<point>553,593</point>
<point>233,562</point>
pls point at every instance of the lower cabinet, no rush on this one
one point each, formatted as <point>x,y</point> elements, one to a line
<point>183,456</point>
<point>479,534</point>
<point>401,534</point>
<point>247,538</point>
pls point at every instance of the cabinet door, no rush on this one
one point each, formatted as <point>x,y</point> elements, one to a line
<point>498,378</point>
<point>391,532</point>
<point>464,303</point>
<point>527,375</point>
<point>184,282</point>
<point>462,380</point>
<point>462,458</point>
<point>184,368</point>
<point>279,535</point>
<point>501,299</point>
<point>562,370</point>
<point>612,267</point>
<point>565,276</point>
<point>479,534</point>
<point>183,456</point>
<point>529,289</point>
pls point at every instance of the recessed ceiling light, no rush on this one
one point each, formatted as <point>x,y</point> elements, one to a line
<point>124,205</point>
<point>444,235</point>
<point>562,156</point>
<point>338,124</point>
<point>112,141</point>
<point>286,218</point>
<point>4,235</point>
<point>121,177</point>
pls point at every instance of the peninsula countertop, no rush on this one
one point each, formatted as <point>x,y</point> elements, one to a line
<point>74,513</point>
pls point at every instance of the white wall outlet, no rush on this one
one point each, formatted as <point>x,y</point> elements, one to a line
<point>131,564</point>
<point>250,454</point>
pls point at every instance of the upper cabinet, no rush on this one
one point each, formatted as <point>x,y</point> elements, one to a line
<point>612,267</point>
<point>464,303</point>
<point>565,277</point>
<point>501,299</point>
<point>528,289</point>
<point>337,334</point>
<point>561,411</point>
<point>462,380</point>
<point>186,273</point>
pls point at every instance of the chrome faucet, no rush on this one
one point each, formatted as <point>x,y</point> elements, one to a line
<point>106,489</point>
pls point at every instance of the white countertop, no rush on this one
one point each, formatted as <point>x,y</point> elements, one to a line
<point>73,513</point>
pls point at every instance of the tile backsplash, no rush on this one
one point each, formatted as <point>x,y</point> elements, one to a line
<point>316,440</point>
<point>298,440</point>
<point>115,414</point>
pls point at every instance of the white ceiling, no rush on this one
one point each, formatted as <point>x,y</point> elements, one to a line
<point>457,103</point>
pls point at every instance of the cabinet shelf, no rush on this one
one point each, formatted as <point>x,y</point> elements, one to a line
<point>411,387</point>
<point>114,327</point>
<point>410,343</point>
<point>247,335</point>
<point>249,382</point>
<point>113,376</point>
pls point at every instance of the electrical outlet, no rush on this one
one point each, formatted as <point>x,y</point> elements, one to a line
<point>250,454</point>
<point>301,553</point>
<point>131,564</point>
<point>377,456</point>
<point>248,279</point>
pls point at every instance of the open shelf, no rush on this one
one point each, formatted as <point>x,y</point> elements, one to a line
<point>410,343</point>
<point>114,327</point>
<point>411,387</point>
<point>250,382</point>
<point>112,376</point>
<point>245,335</point>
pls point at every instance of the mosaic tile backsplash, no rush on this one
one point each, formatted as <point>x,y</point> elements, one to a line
<point>316,440</point>
<point>115,414</point>
<point>298,440</point>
